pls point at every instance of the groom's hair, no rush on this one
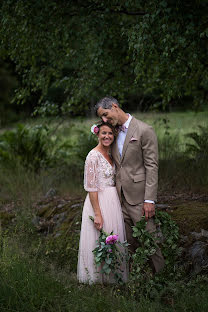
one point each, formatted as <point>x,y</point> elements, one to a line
<point>106,103</point>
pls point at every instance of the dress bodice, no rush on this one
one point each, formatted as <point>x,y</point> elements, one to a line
<point>98,173</point>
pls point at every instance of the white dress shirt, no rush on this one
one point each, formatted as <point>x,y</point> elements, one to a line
<point>120,142</point>
<point>122,135</point>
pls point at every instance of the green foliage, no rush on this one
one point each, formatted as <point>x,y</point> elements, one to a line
<point>199,148</point>
<point>168,44</point>
<point>7,85</point>
<point>108,257</point>
<point>166,235</point>
<point>84,143</point>
<point>25,286</point>
<point>31,147</point>
<point>147,246</point>
<point>154,49</point>
<point>31,285</point>
<point>197,154</point>
<point>62,249</point>
<point>170,232</point>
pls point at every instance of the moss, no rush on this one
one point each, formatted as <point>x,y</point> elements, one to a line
<point>190,216</point>
<point>52,208</point>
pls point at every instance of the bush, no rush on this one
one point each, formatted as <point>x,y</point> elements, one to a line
<point>31,147</point>
<point>197,152</point>
<point>85,143</point>
<point>199,148</point>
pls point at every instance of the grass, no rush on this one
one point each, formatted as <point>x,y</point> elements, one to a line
<point>177,124</point>
<point>174,171</point>
<point>28,284</point>
<point>32,281</point>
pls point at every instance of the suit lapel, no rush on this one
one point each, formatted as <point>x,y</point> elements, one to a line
<point>131,129</point>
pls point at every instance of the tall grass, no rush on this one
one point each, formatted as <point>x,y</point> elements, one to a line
<point>30,285</point>
<point>178,168</point>
<point>30,280</point>
<point>26,285</point>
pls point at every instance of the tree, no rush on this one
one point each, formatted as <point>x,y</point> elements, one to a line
<point>92,48</point>
<point>8,83</point>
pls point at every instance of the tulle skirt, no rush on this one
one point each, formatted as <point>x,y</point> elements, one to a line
<point>113,221</point>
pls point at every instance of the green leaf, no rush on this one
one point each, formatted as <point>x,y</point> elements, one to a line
<point>108,260</point>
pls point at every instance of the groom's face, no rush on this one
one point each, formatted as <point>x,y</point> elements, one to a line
<point>109,115</point>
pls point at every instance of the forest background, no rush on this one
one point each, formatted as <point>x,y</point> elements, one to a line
<point>57,58</point>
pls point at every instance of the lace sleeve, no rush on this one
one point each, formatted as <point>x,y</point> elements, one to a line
<point>91,174</point>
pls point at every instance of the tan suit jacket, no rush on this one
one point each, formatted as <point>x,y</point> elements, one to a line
<point>137,168</point>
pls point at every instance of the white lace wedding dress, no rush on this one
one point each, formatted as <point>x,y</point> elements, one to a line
<point>99,176</point>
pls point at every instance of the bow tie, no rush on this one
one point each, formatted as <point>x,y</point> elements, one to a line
<point>122,128</point>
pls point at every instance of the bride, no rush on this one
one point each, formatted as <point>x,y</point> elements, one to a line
<point>102,203</point>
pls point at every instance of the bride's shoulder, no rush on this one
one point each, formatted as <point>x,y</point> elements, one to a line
<point>92,155</point>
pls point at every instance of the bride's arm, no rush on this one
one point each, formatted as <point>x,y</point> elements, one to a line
<point>91,185</point>
<point>98,220</point>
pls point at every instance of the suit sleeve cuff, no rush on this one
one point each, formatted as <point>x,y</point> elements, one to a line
<point>149,201</point>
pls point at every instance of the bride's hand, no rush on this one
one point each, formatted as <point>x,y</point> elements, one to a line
<point>98,222</point>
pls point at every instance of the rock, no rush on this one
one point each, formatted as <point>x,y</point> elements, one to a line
<point>52,192</point>
<point>162,206</point>
<point>198,253</point>
<point>58,219</point>
<point>36,220</point>
<point>204,233</point>
<point>196,235</point>
<point>184,239</point>
<point>77,205</point>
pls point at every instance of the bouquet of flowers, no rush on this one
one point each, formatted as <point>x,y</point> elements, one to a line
<point>109,254</point>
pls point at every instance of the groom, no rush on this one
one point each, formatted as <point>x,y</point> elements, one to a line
<point>135,153</point>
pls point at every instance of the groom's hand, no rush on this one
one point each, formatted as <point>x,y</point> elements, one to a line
<point>148,210</point>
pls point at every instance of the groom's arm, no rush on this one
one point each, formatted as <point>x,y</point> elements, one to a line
<point>150,159</point>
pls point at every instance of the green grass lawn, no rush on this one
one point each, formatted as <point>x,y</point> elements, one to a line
<point>182,122</point>
<point>176,123</point>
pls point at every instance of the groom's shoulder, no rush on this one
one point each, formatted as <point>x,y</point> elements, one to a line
<point>141,124</point>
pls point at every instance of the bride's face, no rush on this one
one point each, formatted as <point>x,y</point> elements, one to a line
<point>105,136</point>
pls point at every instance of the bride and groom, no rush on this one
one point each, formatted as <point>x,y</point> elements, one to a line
<point>122,188</point>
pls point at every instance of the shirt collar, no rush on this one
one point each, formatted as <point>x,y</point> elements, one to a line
<point>126,124</point>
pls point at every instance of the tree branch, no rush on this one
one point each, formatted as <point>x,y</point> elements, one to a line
<point>129,13</point>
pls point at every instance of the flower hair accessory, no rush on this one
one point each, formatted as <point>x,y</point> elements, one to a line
<point>94,129</point>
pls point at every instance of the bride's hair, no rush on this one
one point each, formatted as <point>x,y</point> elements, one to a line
<point>100,124</point>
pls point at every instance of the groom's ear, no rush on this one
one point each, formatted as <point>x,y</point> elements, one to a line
<point>114,105</point>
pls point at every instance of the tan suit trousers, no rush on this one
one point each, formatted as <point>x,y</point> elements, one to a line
<point>132,214</point>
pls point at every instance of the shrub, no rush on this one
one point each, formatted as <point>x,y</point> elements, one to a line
<point>199,148</point>
<point>197,152</point>
<point>84,144</point>
<point>166,235</point>
<point>31,147</point>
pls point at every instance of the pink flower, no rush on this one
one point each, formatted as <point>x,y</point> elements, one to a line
<point>111,239</point>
